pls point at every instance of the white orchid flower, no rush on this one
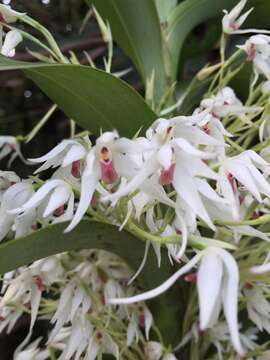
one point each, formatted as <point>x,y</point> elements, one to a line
<point>258,306</point>
<point>53,195</point>
<point>15,196</point>
<point>257,48</point>
<point>107,161</point>
<point>225,102</point>
<point>176,161</point>
<point>49,269</point>
<point>73,300</point>
<point>81,332</point>
<point>218,281</point>
<point>8,178</point>
<point>232,21</point>
<point>9,15</point>
<point>243,168</point>
<point>12,39</point>
<point>32,352</point>
<point>68,152</point>
<point>22,290</point>
<point>101,343</point>
<point>10,146</point>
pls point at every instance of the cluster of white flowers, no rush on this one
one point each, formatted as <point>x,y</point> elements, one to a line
<point>83,324</point>
<point>183,163</point>
<point>195,184</point>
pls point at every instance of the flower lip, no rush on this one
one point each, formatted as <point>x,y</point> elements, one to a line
<point>108,172</point>
<point>166,176</point>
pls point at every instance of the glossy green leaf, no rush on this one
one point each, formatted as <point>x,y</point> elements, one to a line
<point>93,98</point>
<point>88,234</point>
<point>185,17</point>
<point>135,26</point>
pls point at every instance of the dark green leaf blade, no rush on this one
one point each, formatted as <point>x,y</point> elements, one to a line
<point>91,235</point>
<point>92,98</point>
<point>135,26</point>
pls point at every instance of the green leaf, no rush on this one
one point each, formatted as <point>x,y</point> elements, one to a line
<point>185,17</point>
<point>135,26</point>
<point>88,235</point>
<point>91,97</point>
<point>164,8</point>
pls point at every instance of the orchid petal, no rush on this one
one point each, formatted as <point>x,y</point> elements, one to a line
<point>88,186</point>
<point>164,156</point>
<point>75,153</point>
<point>36,199</point>
<point>58,197</point>
<point>137,273</point>
<point>186,189</point>
<point>209,286</point>
<point>260,269</point>
<point>162,288</point>
<point>230,297</point>
<point>187,147</point>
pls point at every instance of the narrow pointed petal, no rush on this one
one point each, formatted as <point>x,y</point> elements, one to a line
<point>190,149</point>
<point>196,136</point>
<point>209,286</point>
<point>260,269</point>
<point>230,298</point>
<point>261,182</point>
<point>236,10</point>
<point>250,231</point>
<point>137,273</point>
<point>206,190</point>
<point>243,18</point>
<point>36,199</point>
<point>75,153</point>
<point>186,189</point>
<point>54,152</point>
<point>162,288</point>
<point>88,186</point>
<point>59,197</point>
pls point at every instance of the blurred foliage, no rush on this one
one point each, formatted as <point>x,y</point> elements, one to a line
<point>22,104</point>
